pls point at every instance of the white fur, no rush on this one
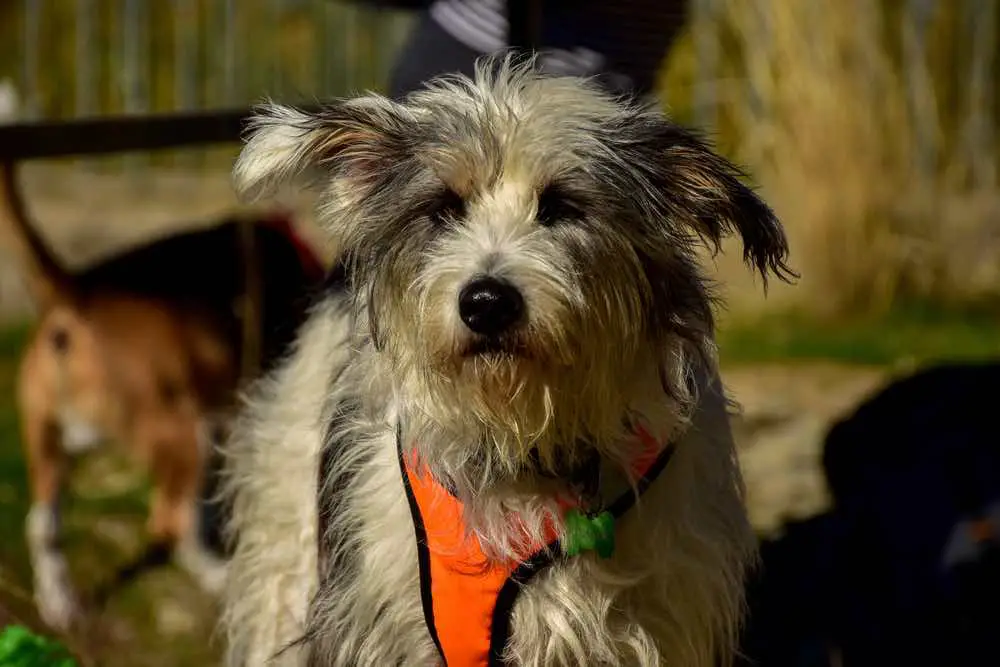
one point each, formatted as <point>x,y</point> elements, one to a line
<point>191,555</point>
<point>274,150</point>
<point>54,595</point>
<point>274,463</point>
<point>79,435</point>
<point>658,602</point>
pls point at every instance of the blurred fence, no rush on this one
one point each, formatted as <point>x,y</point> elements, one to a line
<point>84,57</point>
<point>79,58</point>
<point>63,59</point>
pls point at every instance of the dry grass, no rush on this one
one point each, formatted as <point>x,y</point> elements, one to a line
<point>883,169</point>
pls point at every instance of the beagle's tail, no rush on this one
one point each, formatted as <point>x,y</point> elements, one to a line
<point>47,278</point>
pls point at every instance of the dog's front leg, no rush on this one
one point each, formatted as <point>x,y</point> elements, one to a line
<point>54,595</point>
<point>271,484</point>
<point>173,438</point>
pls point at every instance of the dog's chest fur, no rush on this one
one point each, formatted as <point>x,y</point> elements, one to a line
<point>369,577</point>
<point>680,552</point>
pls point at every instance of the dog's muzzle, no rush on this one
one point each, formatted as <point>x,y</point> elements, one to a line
<point>490,306</point>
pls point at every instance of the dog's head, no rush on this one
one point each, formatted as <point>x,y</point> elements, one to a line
<point>523,247</point>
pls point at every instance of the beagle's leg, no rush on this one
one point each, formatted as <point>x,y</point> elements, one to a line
<point>177,470</point>
<point>61,361</point>
<point>213,514</point>
<point>54,595</point>
<point>194,552</point>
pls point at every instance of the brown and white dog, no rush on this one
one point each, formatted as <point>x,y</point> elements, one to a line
<point>446,469</point>
<point>145,349</point>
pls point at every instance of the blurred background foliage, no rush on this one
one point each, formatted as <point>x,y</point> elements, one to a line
<point>870,125</point>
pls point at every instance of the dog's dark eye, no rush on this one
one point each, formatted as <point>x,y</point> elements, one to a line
<point>555,205</point>
<point>447,204</point>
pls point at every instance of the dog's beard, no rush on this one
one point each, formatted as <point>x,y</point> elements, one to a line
<point>503,431</point>
<point>485,415</point>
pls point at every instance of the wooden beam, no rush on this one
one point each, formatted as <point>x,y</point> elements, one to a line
<point>108,135</point>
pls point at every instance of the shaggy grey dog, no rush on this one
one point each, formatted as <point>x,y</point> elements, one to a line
<point>521,299</point>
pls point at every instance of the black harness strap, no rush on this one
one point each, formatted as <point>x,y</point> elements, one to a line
<point>423,553</point>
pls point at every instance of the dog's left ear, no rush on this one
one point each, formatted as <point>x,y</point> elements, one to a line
<point>695,186</point>
<point>349,138</point>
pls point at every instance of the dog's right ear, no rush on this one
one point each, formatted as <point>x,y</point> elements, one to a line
<point>345,139</point>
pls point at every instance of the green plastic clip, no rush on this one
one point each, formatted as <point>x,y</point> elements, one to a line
<point>585,533</point>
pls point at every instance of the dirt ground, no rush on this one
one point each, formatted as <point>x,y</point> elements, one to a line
<point>786,411</point>
<point>786,408</point>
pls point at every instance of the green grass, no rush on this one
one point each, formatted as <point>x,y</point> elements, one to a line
<point>916,334</point>
<point>13,475</point>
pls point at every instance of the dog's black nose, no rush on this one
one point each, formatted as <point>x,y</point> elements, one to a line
<point>489,306</point>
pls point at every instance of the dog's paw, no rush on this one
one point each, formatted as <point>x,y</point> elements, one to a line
<point>207,569</point>
<point>212,578</point>
<point>55,599</point>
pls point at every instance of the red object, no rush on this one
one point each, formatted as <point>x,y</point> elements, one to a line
<point>310,261</point>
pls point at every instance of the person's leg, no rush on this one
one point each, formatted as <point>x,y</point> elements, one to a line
<point>621,44</point>
<point>428,52</point>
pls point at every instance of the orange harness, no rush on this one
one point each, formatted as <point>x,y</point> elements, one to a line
<point>467,598</point>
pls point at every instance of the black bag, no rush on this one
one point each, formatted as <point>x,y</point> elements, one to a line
<point>905,569</point>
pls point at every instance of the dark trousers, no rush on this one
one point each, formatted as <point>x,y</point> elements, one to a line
<point>428,52</point>
<point>634,37</point>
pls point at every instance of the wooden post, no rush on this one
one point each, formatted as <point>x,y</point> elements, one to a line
<point>350,51</point>
<point>230,69</point>
<point>250,311</point>
<point>705,13</point>
<point>84,73</point>
<point>84,79</point>
<point>32,32</point>
<point>186,71</point>
<point>276,87</point>
<point>135,56</point>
